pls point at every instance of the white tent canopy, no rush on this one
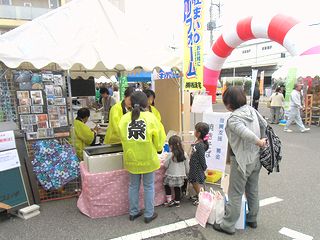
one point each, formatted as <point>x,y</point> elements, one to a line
<point>85,35</point>
<point>306,65</point>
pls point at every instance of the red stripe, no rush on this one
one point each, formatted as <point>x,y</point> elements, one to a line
<point>221,49</point>
<point>313,50</point>
<point>279,27</point>
<point>244,29</point>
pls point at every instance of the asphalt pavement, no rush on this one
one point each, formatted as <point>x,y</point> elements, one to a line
<point>298,185</point>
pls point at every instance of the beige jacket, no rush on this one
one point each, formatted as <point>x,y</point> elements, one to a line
<point>276,100</point>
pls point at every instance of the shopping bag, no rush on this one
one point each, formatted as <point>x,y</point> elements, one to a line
<point>219,207</point>
<point>204,208</point>
<point>241,222</point>
<point>217,211</point>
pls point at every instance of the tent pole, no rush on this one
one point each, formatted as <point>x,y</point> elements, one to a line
<point>70,104</point>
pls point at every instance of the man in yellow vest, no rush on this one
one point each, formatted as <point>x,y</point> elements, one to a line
<point>116,112</point>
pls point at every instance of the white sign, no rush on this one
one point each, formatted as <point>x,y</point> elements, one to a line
<point>9,159</point>
<point>202,104</point>
<point>7,140</point>
<point>218,141</point>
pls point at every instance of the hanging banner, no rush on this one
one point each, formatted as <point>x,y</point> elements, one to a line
<point>261,87</point>
<point>218,141</point>
<point>291,79</point>
<point>193,44</point>
<point>123,86</point>
<point>253,82</point>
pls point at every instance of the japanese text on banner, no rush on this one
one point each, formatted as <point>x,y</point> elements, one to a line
<point>193,44</point>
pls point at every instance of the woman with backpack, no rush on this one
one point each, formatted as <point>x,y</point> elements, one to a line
<point>245,131</point>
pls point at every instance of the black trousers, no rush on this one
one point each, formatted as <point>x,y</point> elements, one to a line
<point>177,192</point>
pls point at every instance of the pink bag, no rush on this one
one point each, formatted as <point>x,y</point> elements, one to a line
<point>204,207</point>
<point>217,211</point>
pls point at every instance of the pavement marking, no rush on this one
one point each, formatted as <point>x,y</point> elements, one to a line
<point>294,234</point>
<point>181,225</point>
<point>270,200</point>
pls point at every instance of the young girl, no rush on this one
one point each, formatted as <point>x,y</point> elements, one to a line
<point>198,164</point>
<point>177,165</point>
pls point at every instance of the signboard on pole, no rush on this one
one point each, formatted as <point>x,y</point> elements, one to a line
<point>123,86</point>
<point>193,44</point>
<point>218,141</point>
<point>253,82</point>
<point>261,82</point>
<point>291,79</point>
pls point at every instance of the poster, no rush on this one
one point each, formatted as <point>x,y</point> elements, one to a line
<point>193,44</point>
<point>218,142</point>
<point>7,141</point>
<point>201,104</point>
<point>9,159</point>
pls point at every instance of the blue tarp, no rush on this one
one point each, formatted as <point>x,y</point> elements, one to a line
<point>139,77</point>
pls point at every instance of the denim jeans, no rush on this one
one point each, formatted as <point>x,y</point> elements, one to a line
<point>294,115</point>
<point>148,186</point>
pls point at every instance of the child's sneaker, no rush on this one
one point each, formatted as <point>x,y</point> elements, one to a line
<point>193,198</point>
<point>169,204</point>
<point>196,202</point>
<point>174,203</point>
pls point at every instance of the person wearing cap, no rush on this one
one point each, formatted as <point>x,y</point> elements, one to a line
<point>295,107</point>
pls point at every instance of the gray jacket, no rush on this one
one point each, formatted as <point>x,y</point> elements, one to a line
<point>176,169</point>
<point>244,127</point>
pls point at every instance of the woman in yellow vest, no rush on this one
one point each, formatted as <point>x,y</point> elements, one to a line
<point>116,112</point>
<point>142,136</point>
<point>151,97</point>
<point>83,136</point>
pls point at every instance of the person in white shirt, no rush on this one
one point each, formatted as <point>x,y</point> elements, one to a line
<point>295,107</point>
<point>276,103</point>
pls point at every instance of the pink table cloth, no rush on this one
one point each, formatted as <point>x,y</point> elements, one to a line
<point>106,194</point>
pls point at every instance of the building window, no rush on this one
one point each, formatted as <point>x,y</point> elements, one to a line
<point>283,55</point>
<point>27,4</point>
<point>246,51</point>
<point>5,2</point>
<point>53,3</point>
<point>266,48</point>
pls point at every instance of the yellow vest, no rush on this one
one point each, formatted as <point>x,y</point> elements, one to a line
<point>112,134</point>
<point>82,137</point>
<point>141,142</point>
<point>156,113</point>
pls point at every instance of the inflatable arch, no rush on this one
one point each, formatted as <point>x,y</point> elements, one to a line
<point>296,37</point>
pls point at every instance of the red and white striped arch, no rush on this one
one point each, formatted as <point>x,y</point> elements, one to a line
<point>297,38</point>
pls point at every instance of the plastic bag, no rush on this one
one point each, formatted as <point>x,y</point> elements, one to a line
<point>204,208</point>
<point>217,211</point>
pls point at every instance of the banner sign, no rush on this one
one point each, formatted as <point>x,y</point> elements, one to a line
<point>291,79</point>
<point>123,86</point>
<point>253,82</point>
<point>261,82</point>
<point>218,141</point>
<point>193,44</point>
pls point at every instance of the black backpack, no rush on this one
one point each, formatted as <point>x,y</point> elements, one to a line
<point>271,156</point>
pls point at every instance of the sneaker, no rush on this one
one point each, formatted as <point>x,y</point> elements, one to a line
<point>133,217</point>
<point>252,224</point>
<point>288,130</point>
<point>169,204</point>
<point>305,130</point>
<point>174,203</point>
<point>193,198</point>
<point>196,202</point>
<point>150,219</point>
